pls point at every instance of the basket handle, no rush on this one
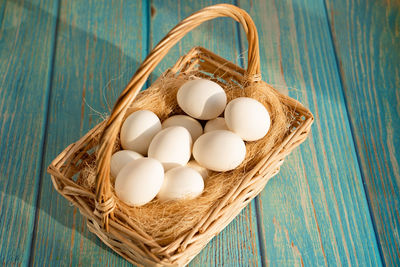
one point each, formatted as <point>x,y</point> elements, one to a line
<point>105,203</point>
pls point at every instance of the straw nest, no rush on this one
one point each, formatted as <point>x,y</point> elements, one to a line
<point>165,221</point>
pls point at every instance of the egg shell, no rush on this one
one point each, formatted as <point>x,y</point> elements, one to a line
<point>219,150</point>
<point>202,99</point>
<point>172,146</point>
<point>248,118</point>
<point>121,158</point>
<point>139,181</point>
<point>181,183</point>
<point>215,124</point>
<point>193,126</point>
<point>138,130</point>
<point>200,169</point>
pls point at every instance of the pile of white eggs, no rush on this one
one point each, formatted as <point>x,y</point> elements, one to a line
<point>156,160</point>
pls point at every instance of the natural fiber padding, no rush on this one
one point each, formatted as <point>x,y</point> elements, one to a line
<point>165,221</point>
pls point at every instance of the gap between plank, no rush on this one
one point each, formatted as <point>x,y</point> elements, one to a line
<point>146,20</point>
<point>357,152</point>
<point>261,246</point>
<point>42,150</point>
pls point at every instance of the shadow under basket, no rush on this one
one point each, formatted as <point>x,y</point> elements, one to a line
<point>107,219</point>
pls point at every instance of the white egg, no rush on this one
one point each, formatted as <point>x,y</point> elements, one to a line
<point>172,147</point>
<point>200,169</point>
<point>193,126</point>
<point>215,124</point>
<point>248,118</point>
<point>181,183</point>
<point>138,130</point>
<point>202,99</point>
<point>121,158</point>
<point>139,181</point>
<point>219,150</point>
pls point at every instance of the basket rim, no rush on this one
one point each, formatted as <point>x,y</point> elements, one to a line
<point>74,149</point>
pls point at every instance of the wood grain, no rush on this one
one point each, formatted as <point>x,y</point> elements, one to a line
<point>315,211</point>
<point>26,39</point>
<point>238,244</point>
<point>99,45</point>
<point>366,36</point>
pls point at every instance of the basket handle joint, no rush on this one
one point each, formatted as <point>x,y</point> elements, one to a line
<point>105,209</point>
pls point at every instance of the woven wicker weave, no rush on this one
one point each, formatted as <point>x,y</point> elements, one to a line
<point>111,225</point>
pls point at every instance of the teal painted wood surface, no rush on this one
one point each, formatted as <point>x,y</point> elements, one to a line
<point>70,59</point>
<point>98,46</point>
<point>314,211</point>
<point>367,42</point>
<point>26,48</point>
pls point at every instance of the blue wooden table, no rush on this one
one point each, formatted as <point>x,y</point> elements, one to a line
<point>336,200</point>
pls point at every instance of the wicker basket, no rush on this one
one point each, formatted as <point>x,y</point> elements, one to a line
<point>106,220</point>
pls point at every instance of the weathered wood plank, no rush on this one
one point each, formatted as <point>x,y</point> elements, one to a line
<point>27,34</point>
<point>99,45</point>
<point>366,36</point>
<point>238,244</point>
<point>315,211</point>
